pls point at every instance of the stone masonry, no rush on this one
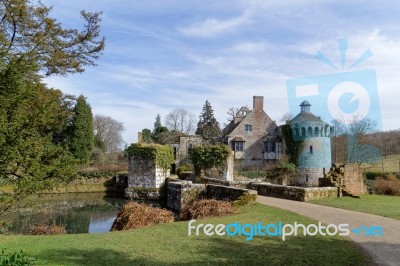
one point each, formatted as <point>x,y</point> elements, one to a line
<point>246,134</point>
<point>144,179</point>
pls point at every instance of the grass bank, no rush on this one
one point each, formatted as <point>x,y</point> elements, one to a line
<point>387,206</point>
<point>390,164</point>
<point>169,244</point>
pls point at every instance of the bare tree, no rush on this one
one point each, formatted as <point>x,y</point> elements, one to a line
<point>191,124</point>
<point>286,117</point>
<point>107,133</point>
<point>180,120</point>
<point>359,146</point>
<point>232,111</point>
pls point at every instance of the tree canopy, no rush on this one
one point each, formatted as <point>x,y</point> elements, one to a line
<point>81,131</point>
<point>36,122</point>
<point>108,133</point>
<point>30,37</point>
<point>208,126</point>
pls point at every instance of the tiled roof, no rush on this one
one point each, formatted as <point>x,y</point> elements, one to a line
<point>306,117</point>
<point>238,138</point>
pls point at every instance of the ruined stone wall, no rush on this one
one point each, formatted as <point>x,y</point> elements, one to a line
<point>236,184</point>
<point>294,193</point>
<point>181,193</point>
<point>182,152</point>
<point>145,179</point>
<point>143,173</point>
<point>353,180</point>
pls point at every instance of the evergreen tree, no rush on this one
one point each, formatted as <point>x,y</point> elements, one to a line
<point>157,124</point>
<point>81,137</point>
<point>158,130</point>
<point>34,132</point>
<point>208,126</point>
<point>33,121</point>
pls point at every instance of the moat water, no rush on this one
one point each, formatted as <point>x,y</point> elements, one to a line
<point>77,212</point>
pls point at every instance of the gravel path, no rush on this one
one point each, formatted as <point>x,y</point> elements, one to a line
<point>385,250</point>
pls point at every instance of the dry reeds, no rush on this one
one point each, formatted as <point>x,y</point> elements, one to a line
<point>43,229</point>
<point>134,215</point>
<point>207,208</point>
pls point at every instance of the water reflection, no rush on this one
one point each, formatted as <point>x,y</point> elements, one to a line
<point>78,212</point>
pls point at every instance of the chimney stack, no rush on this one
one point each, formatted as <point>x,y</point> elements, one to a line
<point>140,137</point>
<point>258,103</point>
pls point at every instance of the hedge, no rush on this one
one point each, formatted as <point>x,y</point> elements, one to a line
<point>372,175</point>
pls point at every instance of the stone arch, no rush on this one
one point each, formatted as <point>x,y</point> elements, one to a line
<point>303,132</point>
<point>296,132</point>
<point>322,131</point>
<point>309,133</point>
<point>316,131</point>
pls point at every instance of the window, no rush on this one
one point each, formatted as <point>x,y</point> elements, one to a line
<point>271,147</point>
<point>278,148</point>
<point>248,128</point>
<point>311,150</point>
<point>238,146</point>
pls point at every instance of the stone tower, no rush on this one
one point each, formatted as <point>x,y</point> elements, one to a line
<point>315,154</point>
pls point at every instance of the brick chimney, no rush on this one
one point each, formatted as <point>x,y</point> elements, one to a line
<point>258,103</point>
<point>140,137</point>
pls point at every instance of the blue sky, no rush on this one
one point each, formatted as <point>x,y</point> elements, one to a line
<point>165,54</point>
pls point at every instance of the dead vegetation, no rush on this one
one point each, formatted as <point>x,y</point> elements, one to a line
<point>207,208</point>
<point>134,215</point>
<point>43,229</point>
<point>387,186</point>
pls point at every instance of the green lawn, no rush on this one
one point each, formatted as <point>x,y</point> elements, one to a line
<point>388,206</point>
<point>169,244</point>
<point>390,164</point>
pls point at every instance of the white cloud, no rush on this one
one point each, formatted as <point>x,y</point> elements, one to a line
<point>212,26</point>
<point>250,47</point>
<point>149,69</point>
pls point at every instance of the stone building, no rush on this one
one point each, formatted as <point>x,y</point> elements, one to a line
<point>253,136</point>
<point>181,149</point>
<point>314,159</point>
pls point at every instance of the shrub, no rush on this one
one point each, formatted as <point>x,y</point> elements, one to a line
<point>387,186</point>
<point>96,173</point>
<point>207,156</point>
<point>245,199</point>
<point>134,215</point>
<point>43,229</point>
<point>286,167</point>
<point>207,208</point>
<point>255,174</point>
<point>162,155</point>
<point>372,175</point>
<point>16,258</point>
<point>184,171</point>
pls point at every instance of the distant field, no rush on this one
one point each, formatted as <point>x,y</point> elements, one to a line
<point>390,164</point>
